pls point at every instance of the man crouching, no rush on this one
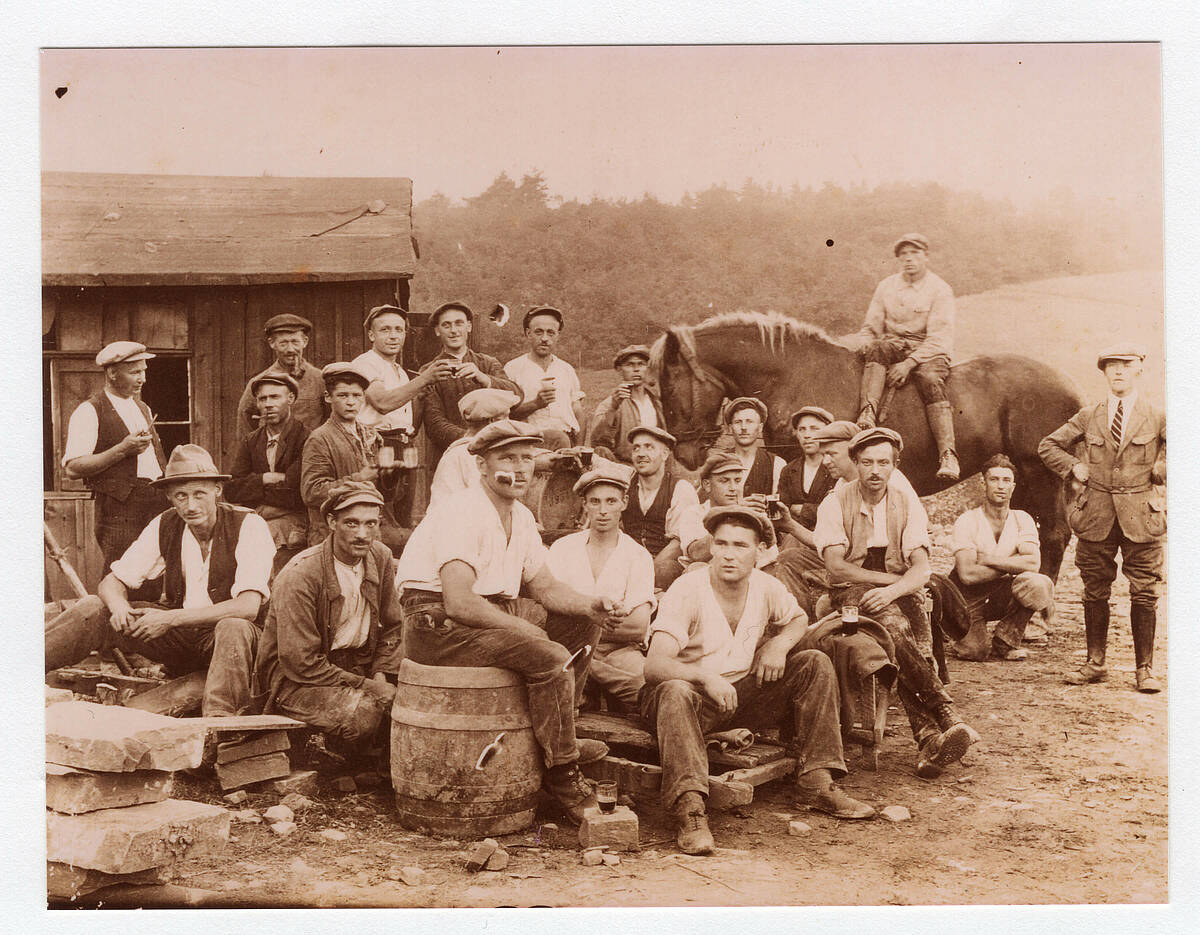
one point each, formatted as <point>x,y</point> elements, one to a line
<point>333,626</point>
<point>461,573</point>
<point>713,665</point>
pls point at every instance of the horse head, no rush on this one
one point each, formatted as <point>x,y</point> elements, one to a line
<point>691,394</point>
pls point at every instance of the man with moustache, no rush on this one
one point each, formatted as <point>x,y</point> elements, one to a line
<point>632,403</point>
<point>550,385</point>
<point>287,336</point>
<point>215,560</point>
<point>456,371</point>
<point>333,627</point>
<point>460,576</point>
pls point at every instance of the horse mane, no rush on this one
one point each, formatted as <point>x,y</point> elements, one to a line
<point>774,331</point>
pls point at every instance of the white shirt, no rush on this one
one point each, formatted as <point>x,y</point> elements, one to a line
<point>645,408</point>
<point>83,430</point>
<point>528,374</point>
<point>1127,404</point>
<point>254,555</point>
<point>690,615</point>
<point>684,507</point>
<point>392,376</point>
<point>973,530</point>
<point>467,528</point>
<point>897,480</point>
<point>355,625</point>
<point>456,471</point>
<point>627,575</point>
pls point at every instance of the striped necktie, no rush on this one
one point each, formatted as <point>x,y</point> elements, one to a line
<point>1118,419</point>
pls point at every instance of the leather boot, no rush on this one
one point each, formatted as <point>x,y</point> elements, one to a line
<point>691,824</point>
<point>1142,619</point>
<point>941,424</point>
<point>873,378</point>
<point>1095,623</point>
<point>974,646</point>
<point>1010,633</point>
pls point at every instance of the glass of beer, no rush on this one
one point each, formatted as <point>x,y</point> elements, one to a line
<point>849,619</point>
<point>386,458</point>
<point>606,795</point>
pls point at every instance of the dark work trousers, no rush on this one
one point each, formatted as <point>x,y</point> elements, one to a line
<point>226,648</point>
<point>431,638</point>
<point>929,376</point>
<point>1141,563</point>
<point>803,703</point>
<point>118,523</point>
<point>574,633</point>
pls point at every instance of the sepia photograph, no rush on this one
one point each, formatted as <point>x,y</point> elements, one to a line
<point>604,476</point>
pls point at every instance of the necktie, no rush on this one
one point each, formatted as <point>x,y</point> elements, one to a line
<point>1116,424</point>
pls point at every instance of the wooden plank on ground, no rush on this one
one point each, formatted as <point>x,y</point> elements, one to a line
<point>246,722</point>
<point>753,755</point>
<point>613,730</point>
<point>644,781</point>
<point>757,775</point>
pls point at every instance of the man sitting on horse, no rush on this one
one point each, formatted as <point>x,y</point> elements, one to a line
<point>744,419</point>
<point>632,403</point>
<point>909,330</point>
<point>874,539</point>
<point>996,559</point>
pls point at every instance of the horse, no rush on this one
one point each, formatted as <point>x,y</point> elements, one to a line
<point>1002,403</point>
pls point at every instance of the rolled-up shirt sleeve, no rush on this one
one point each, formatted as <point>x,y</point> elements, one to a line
<point>254,556</point>
<point>143,562</point>
<point>963,537</point>
<point>83,430</point>
<point>916,530</point>
<point>829,529</point>
<point>685,505</point>
<point>676,614</point>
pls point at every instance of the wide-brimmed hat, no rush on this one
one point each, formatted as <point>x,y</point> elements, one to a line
<point>631,350</point>
<point>505,432</point>
<point>281,379</point>
<point>1120,352</point>
<point>736,405</point>
<point>287,322</point>
<point>348,493</point>
<point>920,241</point>
<point>815,411</point>
<point>718,514</point>
<point>122,352</point>
<point>189,462</point>
<point>609,472</point>
<point>654,432</point>
<point>840,430</point>
<point>880,433</point>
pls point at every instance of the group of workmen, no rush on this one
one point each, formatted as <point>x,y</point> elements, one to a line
<point>294,579</point>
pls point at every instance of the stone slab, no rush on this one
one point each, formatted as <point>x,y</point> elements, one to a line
<point>55,695</point>
<point>616,830</point>
<point>302,781</point>
<point>267,742</point>
<point>127,840</point>
<point>74,791</point>
<point>109,738</point>
<point>66,882</point>
<point>253,769</point>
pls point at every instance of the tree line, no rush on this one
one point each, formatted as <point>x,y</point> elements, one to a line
<point>622,269</point>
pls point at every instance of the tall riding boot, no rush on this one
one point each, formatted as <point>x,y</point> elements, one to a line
<point>1142,619</point>
<point>873,377</point>
<point>1095,622</point>
<point>941,423</point>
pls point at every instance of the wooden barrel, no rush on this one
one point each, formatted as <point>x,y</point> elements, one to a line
<point>442,720</point>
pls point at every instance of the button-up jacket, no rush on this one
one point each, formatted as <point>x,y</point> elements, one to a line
<point>443,422</point>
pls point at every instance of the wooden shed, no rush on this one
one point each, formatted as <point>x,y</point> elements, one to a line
<point>192,266</point>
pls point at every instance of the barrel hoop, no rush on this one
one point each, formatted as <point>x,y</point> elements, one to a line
<point>413,673</point>
<point>430,809</point>
<point>441,792</point>
<point>437,720</point>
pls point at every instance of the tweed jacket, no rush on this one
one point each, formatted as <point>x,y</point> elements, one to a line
<point>250,463</point>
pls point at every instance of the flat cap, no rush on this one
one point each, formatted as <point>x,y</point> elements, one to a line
<point>839,431</point>
<point>719,462</point>
<point>815,411</point>
<point>718,514</point>
<point>449,306</point>
<point>481,405</point>
<point>384,310</point>
<point>1120,352</point>
<point>631,350</point>
<point>347,371</point>
<point>879,433</point>
<point>281,379</point>
<point>189,462</point>
<point>350,493</point>
<point>122,352</point>
<point>736,405</point>
<point>287,322</point>
<point>654,432</point>
<point>608,472</point>
<point>542,310</point>
<point>505,432</point>
<point>920,241</point>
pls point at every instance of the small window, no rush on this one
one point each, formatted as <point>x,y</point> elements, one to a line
<point>168,393</point>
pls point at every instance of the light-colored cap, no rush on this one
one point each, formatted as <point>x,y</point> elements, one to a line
<point>122,352</point>
<point>619,475</point>
<point>654,432</point>
<point>505,432</point>
<point>346,370</point>
<point>920,241</point>
<point>481,405</point>
<point>880,433</point>
<point>631,350</point>
<point>838,431</point>
<point>718,462</point>
<point>815,411</point>
<point>384,310</point>
<point>1120,352</point>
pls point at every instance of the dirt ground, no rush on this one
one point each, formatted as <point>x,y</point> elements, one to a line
<point>1063,801</point>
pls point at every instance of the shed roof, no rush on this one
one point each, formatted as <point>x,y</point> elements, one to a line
<point>130,230</point>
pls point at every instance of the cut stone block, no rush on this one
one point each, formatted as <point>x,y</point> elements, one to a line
<point>498,860</point>
<point>267,742</point>
<point>55,695</point>
<point>74,791</point>
<point>616,830</point>
<point>109,738</point>
<point>66,882</point>
<point>126,840</point>
<point>303,781</point>
<point>253,769</point>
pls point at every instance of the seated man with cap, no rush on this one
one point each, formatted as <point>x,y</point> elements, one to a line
<point>287,336</point>
<point>909,330</point>
<point>723,655</point>
<point>632,403</point>
<point>874,540</point>
<point>660,503</point>
<point>333,628</point>
<point>722,475</point>
<point>266,468</point>
<point>457,470</point>
<point>550,384</point>
<point>744,419</point>
<point>216,562</point>
<point>457,370</point>
<point>461,574</point>
<point>602,560</point>
<point>113,446</point>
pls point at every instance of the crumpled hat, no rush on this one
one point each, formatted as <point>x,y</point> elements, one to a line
<point>630,350</point>
<point>920,241</point>
<point>348,493</point>
<point>720,463</point>
<point>481,405</point>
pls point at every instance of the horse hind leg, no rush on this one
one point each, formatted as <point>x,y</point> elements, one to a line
<point>1040,493</point>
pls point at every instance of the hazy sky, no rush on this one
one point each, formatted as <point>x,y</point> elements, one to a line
<point>1006,120</point>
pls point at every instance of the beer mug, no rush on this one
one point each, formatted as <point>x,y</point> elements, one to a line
<point>386,458</point>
